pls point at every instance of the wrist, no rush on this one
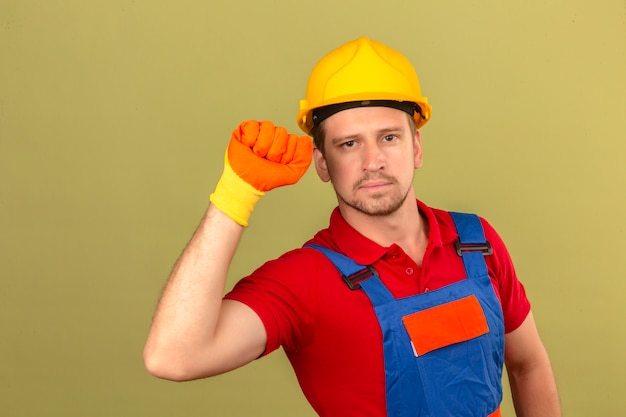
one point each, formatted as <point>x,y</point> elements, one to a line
<point>235,197</point>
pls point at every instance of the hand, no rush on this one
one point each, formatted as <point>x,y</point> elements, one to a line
<point>260,157</point>
<point>266,156</point>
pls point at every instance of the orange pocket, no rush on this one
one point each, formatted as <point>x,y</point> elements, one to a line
<point>446,324</point>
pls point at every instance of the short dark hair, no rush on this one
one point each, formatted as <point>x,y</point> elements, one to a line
<point>317,132</point>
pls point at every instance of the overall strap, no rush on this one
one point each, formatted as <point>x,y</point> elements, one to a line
<point>357,276</point>
<point>472,245</point>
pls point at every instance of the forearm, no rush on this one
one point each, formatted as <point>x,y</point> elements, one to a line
<point>534,391</point>
<point>187,314</point>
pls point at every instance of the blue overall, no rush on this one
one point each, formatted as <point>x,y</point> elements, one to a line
<point>444,349</point>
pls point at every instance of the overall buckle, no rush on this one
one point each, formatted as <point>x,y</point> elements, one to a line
<point>485,248</point>
<point>353,281</point>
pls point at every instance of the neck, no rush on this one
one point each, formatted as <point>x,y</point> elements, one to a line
<point>405,228</point>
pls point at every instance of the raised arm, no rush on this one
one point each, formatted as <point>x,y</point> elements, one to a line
<point>530,374</point>
<point>194,332</point>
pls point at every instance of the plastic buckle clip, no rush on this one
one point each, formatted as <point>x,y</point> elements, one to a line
<point>485,248</point>
<point>354,279</point>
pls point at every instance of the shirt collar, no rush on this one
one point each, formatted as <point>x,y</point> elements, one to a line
<point>364,251</point>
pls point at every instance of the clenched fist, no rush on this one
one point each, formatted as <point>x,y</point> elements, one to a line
<point>266,156</point>
<point>260,157</point>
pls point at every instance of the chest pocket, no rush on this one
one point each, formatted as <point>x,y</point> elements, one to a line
<point>446,324</point>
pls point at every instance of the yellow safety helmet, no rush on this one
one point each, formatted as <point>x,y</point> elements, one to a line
<point>359,73</point>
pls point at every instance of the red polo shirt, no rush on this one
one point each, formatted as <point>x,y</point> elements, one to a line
<point>330,333</point>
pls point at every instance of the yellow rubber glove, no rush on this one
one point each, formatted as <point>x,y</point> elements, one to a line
<point>260,157</point>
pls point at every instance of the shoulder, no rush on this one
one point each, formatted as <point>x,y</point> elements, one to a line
<point>303,260</point>
<point>443,228</point>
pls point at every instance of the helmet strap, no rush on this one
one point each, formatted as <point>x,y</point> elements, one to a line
<point>322,113</point>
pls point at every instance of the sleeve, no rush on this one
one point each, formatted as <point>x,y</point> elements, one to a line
<point>515,303</point>
<point>283,293</point>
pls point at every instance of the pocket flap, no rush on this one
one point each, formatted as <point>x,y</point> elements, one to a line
<point>446,324</point>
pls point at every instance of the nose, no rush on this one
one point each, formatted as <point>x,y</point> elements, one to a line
<point>373,158</point>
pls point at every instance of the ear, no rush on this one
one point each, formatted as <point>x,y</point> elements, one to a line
<point>320,165</point>
<point>417,149</point>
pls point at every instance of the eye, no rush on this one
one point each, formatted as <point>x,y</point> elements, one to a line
<point>389,138</point>
<point>348,144</point>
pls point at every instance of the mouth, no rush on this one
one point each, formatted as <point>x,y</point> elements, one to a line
<point>376,184</point>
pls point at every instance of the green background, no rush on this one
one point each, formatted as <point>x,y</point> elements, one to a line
<point>114,116</point>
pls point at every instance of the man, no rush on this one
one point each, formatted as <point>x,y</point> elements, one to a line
<point>396,308</point>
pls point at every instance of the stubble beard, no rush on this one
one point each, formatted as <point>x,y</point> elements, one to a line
<point>376,204</point>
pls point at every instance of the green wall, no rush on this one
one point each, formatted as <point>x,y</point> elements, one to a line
<point>114,116</point>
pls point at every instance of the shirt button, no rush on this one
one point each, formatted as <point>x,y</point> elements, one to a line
<point>426,289</point>
<point>409,271</point>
